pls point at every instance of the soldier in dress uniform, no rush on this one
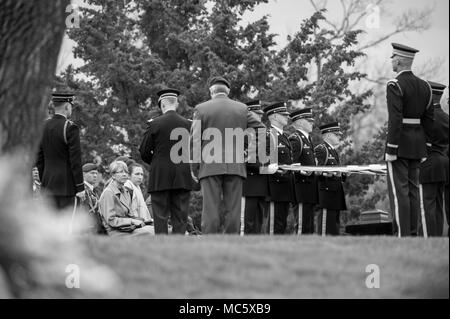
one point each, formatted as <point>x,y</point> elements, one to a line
<point>170,183</point>
<point>59,156</point>
<point>331,190</point>
<point>281,182</point>
<point>305,182</point>
<point>90,204</point>
<point>409,104</point>
<point>256,187</point>
<point>434,172</point>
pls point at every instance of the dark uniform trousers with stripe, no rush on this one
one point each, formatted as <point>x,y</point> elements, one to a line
<point>434,173</point>
<point>331,191</point>
<point>403,183</point>
<point>446,207</point>
<point>409,104</point>
<point>305,186</point>
<point>281,185</point>
<point>446,200</point>
<point>255,190</point>
<point>59,161</point>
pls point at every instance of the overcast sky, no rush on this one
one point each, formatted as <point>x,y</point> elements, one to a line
<point>286,16</point>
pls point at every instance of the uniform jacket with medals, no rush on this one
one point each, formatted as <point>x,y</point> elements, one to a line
<point>303,153</point>
<point>409,100</point>
<point>281,185</point>
<point>59,157</point>
<point>331,190</point>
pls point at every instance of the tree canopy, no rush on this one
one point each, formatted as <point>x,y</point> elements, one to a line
<point>132,49</point>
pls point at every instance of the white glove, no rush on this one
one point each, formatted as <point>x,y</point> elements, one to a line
<point>271,169</point>
<point>195,178</point>
<point>390,158</point>
<point>81,195</point>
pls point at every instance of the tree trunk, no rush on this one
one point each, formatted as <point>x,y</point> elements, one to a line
<point>31,34</point>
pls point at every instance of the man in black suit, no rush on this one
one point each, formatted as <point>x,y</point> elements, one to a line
<point>305,182</point>
<point>331,190</point>
<point>59,156</point>
<point>281,182</point>
<point>409,105</point>
<point>434,172</point>
<point>170,181</point>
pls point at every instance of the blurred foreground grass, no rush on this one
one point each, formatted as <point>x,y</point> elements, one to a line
<point>271,267</point>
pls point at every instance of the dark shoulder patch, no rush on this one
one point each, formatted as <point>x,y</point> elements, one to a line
<point>71,124</point>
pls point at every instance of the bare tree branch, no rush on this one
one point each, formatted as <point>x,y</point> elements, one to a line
<point>412,20</point>
<point>432,69</point>
<point>354,11</point>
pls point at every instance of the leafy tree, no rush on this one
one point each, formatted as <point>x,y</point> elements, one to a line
<point>132,49</point>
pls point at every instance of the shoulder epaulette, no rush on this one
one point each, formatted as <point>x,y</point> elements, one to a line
<point>65,130</point>
<point>319,146</point>
<point>395,83</point>
<point>430,102</point>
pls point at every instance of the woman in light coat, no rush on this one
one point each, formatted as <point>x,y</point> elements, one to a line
<point>116,205</point>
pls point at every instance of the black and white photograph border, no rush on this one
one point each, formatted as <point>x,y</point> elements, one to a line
<point>227,155</point>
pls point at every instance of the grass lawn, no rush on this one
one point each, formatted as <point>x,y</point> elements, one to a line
<point>273,267</point>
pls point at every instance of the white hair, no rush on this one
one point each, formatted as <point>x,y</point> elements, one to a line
<point>219,88</point>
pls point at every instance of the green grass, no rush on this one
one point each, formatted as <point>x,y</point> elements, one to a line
<point>274,267</point>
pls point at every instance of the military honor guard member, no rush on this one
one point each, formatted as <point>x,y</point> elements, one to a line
<point>305,182</point>
<point>331,190</point>
<point>170,183</point>
<point>446,201</point>
<point>434,172</point>
<point>281,183</point>
<point>255,189</point>
<point>90,203</point>
<point>59,156</point>
<point>409,104</point>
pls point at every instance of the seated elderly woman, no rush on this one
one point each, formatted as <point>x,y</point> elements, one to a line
<point>116,205</point>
